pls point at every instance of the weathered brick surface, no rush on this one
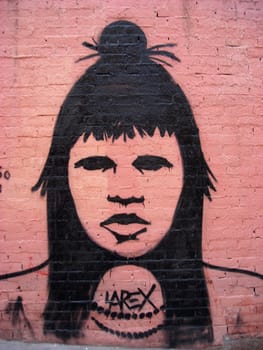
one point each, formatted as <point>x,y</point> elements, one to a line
<point>220,47</point>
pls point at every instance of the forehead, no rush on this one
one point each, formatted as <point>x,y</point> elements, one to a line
<point>160,145</point>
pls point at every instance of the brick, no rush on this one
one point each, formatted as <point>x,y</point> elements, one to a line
<point>220,47</point>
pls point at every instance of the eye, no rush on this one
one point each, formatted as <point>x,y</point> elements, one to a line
<point>148,162</point>
<point>96,163</point>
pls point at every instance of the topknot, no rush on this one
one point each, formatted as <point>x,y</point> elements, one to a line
<point>122,37</point>
<point>124,41</point>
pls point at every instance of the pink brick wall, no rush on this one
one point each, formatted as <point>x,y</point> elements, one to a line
<point>220,47</point>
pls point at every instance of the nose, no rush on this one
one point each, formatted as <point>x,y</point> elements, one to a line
<point>125,201</point>
<point>124,186</point>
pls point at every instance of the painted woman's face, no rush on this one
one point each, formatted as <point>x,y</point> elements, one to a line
<point>126,192</point>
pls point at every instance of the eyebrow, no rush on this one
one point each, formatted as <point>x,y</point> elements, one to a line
<point>151,162</point>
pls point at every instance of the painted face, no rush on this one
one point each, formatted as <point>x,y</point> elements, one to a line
<point>126,192</point>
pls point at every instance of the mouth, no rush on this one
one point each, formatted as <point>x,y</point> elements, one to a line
<point>125,219</point>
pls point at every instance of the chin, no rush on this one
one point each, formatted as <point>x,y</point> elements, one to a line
<point>134,248</point>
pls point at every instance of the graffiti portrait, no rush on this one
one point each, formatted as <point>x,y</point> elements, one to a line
<point>125,181</point>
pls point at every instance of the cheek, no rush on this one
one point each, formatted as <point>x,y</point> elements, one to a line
<point>162,191</point>
<point>89,191</point>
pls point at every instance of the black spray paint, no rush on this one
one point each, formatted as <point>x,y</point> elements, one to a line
<point>123,91</point>
<point>149,99</point>
<point>18,317</point>
<point>4,174</point>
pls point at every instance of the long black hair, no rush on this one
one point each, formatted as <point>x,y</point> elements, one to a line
<point>124,91</point>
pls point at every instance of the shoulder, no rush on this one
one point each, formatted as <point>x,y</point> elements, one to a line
<point>23,299</point>
<point>236,301</point>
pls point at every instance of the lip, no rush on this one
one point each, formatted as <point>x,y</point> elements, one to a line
<point>125,219</point>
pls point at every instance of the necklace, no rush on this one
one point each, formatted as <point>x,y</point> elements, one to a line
<point>130,335</point>
<point>126,315</point>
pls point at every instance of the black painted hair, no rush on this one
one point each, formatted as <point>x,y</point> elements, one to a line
<point>124,91</point>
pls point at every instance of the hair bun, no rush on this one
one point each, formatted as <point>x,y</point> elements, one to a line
<point>125,42</point>
<point>122,39</point>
